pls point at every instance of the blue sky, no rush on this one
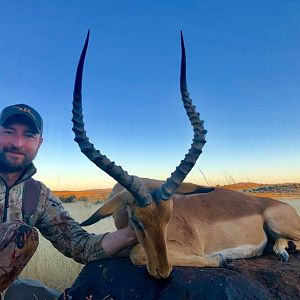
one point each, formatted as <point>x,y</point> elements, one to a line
<point>243,68</point>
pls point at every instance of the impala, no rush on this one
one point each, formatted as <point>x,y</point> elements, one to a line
<point>183,224</point>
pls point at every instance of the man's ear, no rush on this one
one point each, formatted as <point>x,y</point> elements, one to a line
<point>40,142</point>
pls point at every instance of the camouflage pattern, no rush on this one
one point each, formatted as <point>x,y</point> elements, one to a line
<point>52,220</point>
<point>17,245</point>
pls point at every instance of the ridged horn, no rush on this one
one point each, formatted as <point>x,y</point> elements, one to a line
<point>131,183</point>
<point>186,165</point>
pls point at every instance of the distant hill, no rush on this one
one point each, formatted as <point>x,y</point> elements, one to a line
<point>283,190</point>
<point>244,185</point>
<point>279,190</point>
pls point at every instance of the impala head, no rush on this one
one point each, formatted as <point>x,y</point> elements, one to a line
<point>150,224</point>
<point>149,212</point>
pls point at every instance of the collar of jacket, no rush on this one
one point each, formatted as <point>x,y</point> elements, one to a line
<point>29,172</point>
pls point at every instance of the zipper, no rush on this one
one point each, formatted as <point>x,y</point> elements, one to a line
<point>6,203</point>
<point>6,200</point>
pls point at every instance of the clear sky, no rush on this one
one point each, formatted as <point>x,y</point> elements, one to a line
<point>243,72</point>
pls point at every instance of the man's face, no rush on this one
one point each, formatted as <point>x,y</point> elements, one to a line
<point>18,146</point>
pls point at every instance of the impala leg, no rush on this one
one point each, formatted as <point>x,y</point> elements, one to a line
<point>216,260</point>
<point>297,244</point>
<point>283,224</point>
<point>296,240</point>
<point>138,255</point>
<point>280,247</point>
<point>288,232</point>
<point>177,257</point>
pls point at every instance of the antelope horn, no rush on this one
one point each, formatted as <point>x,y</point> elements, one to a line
<point>131,183</point>
<point>186,165</point>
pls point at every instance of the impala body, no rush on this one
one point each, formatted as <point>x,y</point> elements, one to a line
<point>184,224</point>
<point>202,226</point>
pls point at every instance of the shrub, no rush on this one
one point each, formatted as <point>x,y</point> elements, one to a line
<point>69,199</point>
<point>83,199</point>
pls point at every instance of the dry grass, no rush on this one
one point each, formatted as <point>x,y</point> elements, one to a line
<point>90,195</point>
<point>49,265</point>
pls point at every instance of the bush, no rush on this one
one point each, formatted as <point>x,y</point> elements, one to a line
<point>83,199</point>
<point>69,199</point>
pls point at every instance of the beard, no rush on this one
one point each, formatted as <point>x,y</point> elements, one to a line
<point>8,165</point>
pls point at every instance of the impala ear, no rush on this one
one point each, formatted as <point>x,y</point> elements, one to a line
<point>112,205</point>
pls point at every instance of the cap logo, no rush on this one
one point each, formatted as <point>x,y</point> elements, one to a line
<point>26,110</point>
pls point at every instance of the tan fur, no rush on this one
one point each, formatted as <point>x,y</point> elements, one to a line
<point>202,229</point>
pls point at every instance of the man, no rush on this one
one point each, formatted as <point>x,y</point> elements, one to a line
<point>21,129</point>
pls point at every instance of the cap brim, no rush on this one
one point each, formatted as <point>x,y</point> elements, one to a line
<point>32,120</point>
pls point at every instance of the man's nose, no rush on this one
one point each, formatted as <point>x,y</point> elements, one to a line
<point>18,141</point>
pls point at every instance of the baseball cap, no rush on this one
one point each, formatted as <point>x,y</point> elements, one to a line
<point>24,111</point>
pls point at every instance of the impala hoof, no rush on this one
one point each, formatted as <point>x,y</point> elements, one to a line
<point>284,256</point>
<point>223,262</point>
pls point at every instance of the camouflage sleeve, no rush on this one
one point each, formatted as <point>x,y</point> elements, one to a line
<point>66,235</point>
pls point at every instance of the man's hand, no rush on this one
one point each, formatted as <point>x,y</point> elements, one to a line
<point>113,242</point>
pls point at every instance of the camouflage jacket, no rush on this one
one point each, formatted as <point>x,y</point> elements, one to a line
<point>52,220</point>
